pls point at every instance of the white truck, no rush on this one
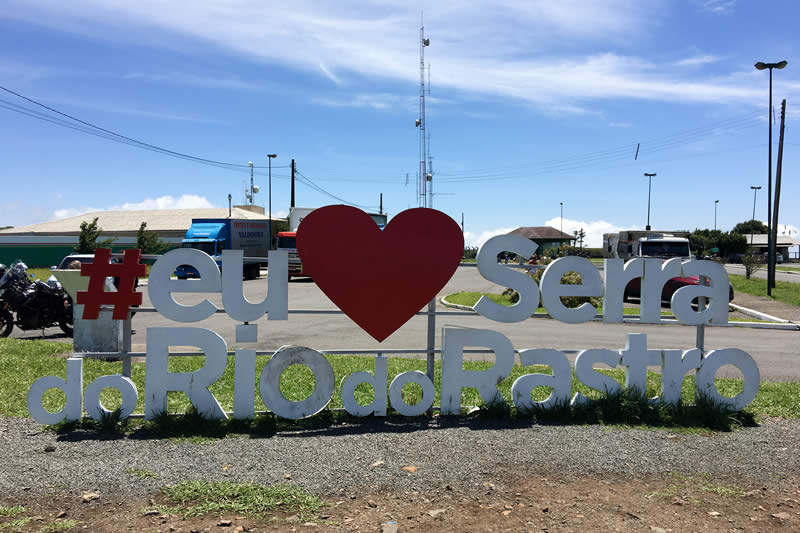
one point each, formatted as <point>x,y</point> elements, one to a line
<point>639,243</point>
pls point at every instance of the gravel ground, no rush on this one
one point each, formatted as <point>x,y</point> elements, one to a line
<point>344,459</point>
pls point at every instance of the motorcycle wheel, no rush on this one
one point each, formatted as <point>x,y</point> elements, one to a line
<point>6,323</point>
<point>66,323</point>
<point>66,328</point>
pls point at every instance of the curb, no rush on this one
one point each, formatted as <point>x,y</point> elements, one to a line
<point>445,303</point>
<point>758,314</point>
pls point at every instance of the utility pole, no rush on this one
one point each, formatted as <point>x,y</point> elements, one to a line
<point>380,206</point>
<point>777,190</point>
<point>462,222</point>
<point>291,203</point>
<point>715,214</point>
<point>649,186</point>
<point>755,193</point>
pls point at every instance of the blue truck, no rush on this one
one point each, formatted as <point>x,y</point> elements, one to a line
<point>213,235</point>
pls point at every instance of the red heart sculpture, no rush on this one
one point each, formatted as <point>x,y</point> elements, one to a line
<point>380,279</point>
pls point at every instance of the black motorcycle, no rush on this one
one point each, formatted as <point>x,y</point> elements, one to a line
<point>37,304</point>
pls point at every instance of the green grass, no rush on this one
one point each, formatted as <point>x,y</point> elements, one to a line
<point>16,525</point>
<point>13,510</point>
<point>196,498</point>
<point>58,525</point>
<point>784,291</point>
<point>24,361</point>
<point>789,269</point>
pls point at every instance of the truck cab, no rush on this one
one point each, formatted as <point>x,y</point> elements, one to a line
<point>287,240</point>
<point>208,237</point>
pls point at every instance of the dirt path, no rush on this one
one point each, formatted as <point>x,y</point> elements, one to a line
<point>670,503</point>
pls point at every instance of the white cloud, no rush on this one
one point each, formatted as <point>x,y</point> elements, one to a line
<point>594,229</point>
<point>473,239</point>
<point>537,52</point>
<point>72,212</point>
<point>185,201</point>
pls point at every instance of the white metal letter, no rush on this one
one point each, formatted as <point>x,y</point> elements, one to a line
<point>159,380</point>
<point>277,299</point>
<point>553,290</point>
<point>704,380</point>
<point>455,378</point>
<point>507,277</point>
<point>584,371</point>
<point>378,383</point>
<point>269,383</point>
<point>71,388</point>
<point>560,381</point>
<point>160,287</point>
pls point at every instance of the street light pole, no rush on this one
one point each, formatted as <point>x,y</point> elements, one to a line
<point>715,214</point>
<point>770,240</point>
<point>561,237</point>
<point>755,192</point>
<point>270,157</point>
<point>250,163</point>
<point>649,184</point>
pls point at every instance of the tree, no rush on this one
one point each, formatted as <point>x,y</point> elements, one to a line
<point>87,239</point>
<point>579,236</point>
<point>149,242</point>
<point>703,240</point>
<point>750,226</point>
<point>751,264</point>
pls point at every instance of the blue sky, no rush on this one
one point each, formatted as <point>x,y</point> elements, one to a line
<point>532,104</point>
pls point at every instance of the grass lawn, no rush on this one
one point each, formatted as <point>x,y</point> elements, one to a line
<point>789,269</point>
<point>784,291</point>
<point>24,361</point>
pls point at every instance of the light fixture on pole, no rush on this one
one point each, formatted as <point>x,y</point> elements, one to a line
<point>755,193</point>
<point>770,240</point>
<point>270,157</point>
<point>649,184</point>
<point>250,196</point>
<point>715,214</point>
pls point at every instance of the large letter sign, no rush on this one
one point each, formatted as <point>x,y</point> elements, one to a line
<point>381,284</point>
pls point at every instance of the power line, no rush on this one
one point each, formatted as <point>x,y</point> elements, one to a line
<point>307,181</point>
<point>93,129</point>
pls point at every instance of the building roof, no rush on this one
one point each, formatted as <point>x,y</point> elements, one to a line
<point>544,233</point>
<point>124,222</point>
<point>760,239</point>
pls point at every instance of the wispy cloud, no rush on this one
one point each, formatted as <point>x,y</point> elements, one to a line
<point>527,59</point>
<point>193,80</point>
<point>330,75</point>
<point>698,60</point>
<point>720,7</point>
<point>379,101</point>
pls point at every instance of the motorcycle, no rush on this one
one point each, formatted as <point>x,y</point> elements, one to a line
<point>37,304</point>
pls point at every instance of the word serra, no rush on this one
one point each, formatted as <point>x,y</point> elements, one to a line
<point>608,284</point>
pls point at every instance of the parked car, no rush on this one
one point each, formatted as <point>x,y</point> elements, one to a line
<point>88,259</point>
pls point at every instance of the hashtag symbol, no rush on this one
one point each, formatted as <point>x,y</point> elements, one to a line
<point>98,271</point>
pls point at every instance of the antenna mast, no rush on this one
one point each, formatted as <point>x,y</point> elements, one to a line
<point>422,183</point>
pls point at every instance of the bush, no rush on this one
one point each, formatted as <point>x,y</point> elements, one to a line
<point>570,278</point>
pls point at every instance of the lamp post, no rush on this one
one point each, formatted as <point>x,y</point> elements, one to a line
<point>250,164</point>
<point>755,192</point>
<point>715,214</point>
<point>270,157</point>
<point>770,240</point>
<point>649,183</point>
<point>561,237</point>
